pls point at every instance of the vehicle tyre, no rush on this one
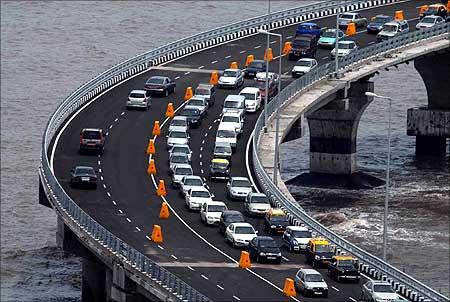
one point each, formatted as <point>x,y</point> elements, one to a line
<point>258,259</point>
<point>338,278</point>
<point>233,244</point>
<point>166,93</point>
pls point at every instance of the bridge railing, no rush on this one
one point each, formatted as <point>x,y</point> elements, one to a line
<point>405,284</point>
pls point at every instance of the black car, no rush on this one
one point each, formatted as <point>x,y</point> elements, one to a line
<point>228,217</point>
<point>254,67</point>
<point>193,116</point>
<point>303,46</point>
<point>264,248</point>
<point>275,223</point>
<point>83,177</point>
<point>343,267</point>
<point>376,24</point>
<point>92,139</point>
<point>219,169</point>
<point>160,85</point>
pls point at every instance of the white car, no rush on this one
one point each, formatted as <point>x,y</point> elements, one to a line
<point>222,150</point>
<point>310,282</point>
<point>238,188</point>
<point>196,197</point>
<point>234,103</point>
<point>378,291</point>
<point>176,159</point>
<point>234,119</point>
<point>429,21</point>
<point>252,98</point>
<point>179,123</point>
<point>296,238</point>
<point>179,172</point>
<point>210,212</point>
<point>240,233</point>
<point>177,137</point>
<point>191,182</point>
<point>344,49</point>
<point>226,134</point>
<point>181,149</point>
<point>139,99</point>
<point>198,102</point>
<point>393,29</point>
<point>231,78</point>
<point>256,204</point>
<point>303,66</point>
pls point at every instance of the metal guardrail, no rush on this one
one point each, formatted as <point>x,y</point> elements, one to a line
<point>407,285</point>
<point>69,210</point>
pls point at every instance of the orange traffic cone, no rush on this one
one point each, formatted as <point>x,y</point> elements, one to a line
<point>422,9</point>
<point>156,128</point>
<point>268,54</point>
<point>157,234</point>
<point>399,15</point>
<point>234,65</point>
<point>287,47</point>
<point>351,29</point>
<point>214,78</point>
<point>170,112</point>
<point>289,288</point>
<point>244,261</point>
<point>249,59</point>
<point>188,93</point>
<point>161,189</point>
<point>164,212</point>
<point>448,6</point>
<point>151,147</point>
<point>151,170</point>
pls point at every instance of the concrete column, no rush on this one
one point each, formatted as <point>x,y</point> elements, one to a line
<point>93,281</point>
<point>431,124</point>
<point>333,131</point>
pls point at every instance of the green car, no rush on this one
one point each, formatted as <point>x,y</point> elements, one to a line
<point>328,38</point>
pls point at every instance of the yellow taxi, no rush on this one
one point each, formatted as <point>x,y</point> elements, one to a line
<point>319,252</point>
<point>275,221</point>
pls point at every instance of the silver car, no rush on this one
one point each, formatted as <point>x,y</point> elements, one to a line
<point>190,182</point>
<point>344,49</point>
<point>256,204</point>
<point>179,172</point>
<point>177,137</point>
<point>235,104</point>
<point>139,99</point>
<point>223,150</point>
<point>231,78</point>
<point>374,290</point>
<point>177,158</point>
<point>181,149</point>
<point>179,123</point>
<point>346,18</point>
<point>238,187</point>
<point>198,102</point>
<point>429,21</point>
<point>310,283</point>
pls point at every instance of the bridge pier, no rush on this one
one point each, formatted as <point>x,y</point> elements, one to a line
<point>333,131</point>
<point>431,124</point>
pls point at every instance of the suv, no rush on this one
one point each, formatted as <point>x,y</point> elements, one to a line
<point>303,46</point>
<point>254,67</point>
<point>234,103</point>
<point>206,91</point>
<point>252,98</point>
<point>319,251</point>
<point>296,238</point>
<point>343,267</point>
<point>275,221</point>
<point>346,18</point>
<point>309,28</point>
<point>265,248</point>
<point>92,139</point>
<point>310,282</point>
<point>393,29</point>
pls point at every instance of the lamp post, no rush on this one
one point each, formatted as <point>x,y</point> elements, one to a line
<point>386,197</point>
<point>277,117</point>
<point>267,71</point>
<point>336,44</point>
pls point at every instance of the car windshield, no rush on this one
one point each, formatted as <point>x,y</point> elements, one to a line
<point>390,27</point>
<point>91,135</point>
<point>313,278</point>
<point>345,16</point>
<point>346,262</point>
<point>216,208</point>
<point>301,234</point>
<point>179,159</point>
<point>226,133</point>
<point>137,95</point>
<point>222,149</point>
<point>183,171</point>
<point>178,123</point>
<point>303,63</point>
<point>260,199</point>
<point>196,103</point>
<point>345,45</point>
<point>301,43</point>
<point>329,34</point>
<point>190,112</point>
<point>256,65</point>
<point>432,9</point>
<point>219,165</point>
<point>241,183</point>
<point>279,218</point>
<point>267,243</point>
<point>230,119</point>
<point>193,182</point>
<point>231,104</point>
<point>84,170</point>
<point>381,20</point>
<point>229,73</point>
<point>158,81</point>
<point>249,96</point>
<point>304,27</point>
<point>234,218</point>
<point>179,149</point>
<point>202,91</point>
<point>323,248</point>
<point>201,194</point>
<point>382,288</point>
<point>177,134</point>
<point>244,230</point>
<point>428,20</point>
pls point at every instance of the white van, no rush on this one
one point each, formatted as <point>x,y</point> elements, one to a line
<point>234,103</point>
<point>226,133</point>
<point>393,29</point>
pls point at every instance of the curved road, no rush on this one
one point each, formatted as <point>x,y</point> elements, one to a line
<point>125,201</point>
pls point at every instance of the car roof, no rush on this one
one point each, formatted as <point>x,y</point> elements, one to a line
<point>265,238</point>
<point>216,203</point>
<point>349,13</point>
<point>191,107</point>
<point>310,271</point>
<point>179,117</point>
<point>183,166</point>
<point>239,178</point>
<point>258,194</point>
<point>241,224</point>
<point>297,228</point>
<point>231,212</point>
<point>205,85</point>
<point>307,59</point>
<point>178,130</point>
<point>235,97</point>
<point>436,5</point>
<point>179,154</point>
<point>194,176</point>
<point>196,97</point>
<point>222,144</point>
<point>91,129</point>
<point>180,145</point>
<point>226,126</point>
<point>319,240</point>
<point>232,113</point>
<point>84,167</point>
<point>343,257</point>
<point>138,91</point>
<point>381,15</point>
<point>308,23</point>
<point>249,90</point>
<point>157,77</point>
<point>347,41</point>
<point>276,212</point>
<point>199,188</point>
<point>232,69</point>
<point>220,161</point>
<point>432,16</point>
<point>379,282</point>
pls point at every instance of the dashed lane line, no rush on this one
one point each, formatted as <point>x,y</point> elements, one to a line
<point>114,203</point>
<point>201,67</point>
<point>177,77</point>
<point>201,171</point>
<point>256,47</point>
<point>203,142</point>
<point>236,298</point>
<point>116,119</point>
<point>120,211</point>
<point>204,277</point>
<point>128,219</point>
<point>201,149</point>
<point>335,289</point>
<point>123,112</point>
<point>138,229</point>
<point>200,155</point>
<point>107,133</point>
<point>109,194</point>
<point>99,170</point>
<point>214,62</point>
<point>104,186</point>
<point>110,126</point>
<point>220,287</point>
<point>148,237</point>
<point>273,42</point>
<point>98,162</point>
<point>289,37</point>
<point>101,178</point>
<point>227,57</point>
<point>174,257</point>
<point>351,299</point>
<point>187,72</point>
<point>189,267</point>
<point>285,259</point>
<point>242,51</point>
<point>160,247</point>
<point>201,163</point>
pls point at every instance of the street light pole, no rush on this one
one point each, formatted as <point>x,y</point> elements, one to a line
<point>386,197</point>
<point>266,96</point>
<point>336,44</point>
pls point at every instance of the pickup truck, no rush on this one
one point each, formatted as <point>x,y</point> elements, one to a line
<point>303,46</point>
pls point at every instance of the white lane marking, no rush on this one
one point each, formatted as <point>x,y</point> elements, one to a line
<point>107,133</point>
<point>120,211</point>
<point>220,287</point>
<point>237,298</point>
<point>286,259</point>
<point>286,72</point>
<point>114,203</point>
<point>110,126</point>
<point>201,149</point>
<point>366,276</point>
<point>190,268</point>
<point>174,257</point>
<point>371,42</point>
<point>109,194</point>
<point>249,173</point>
<point>201,163</point>
<point>203,142</point>
<point>123,112</point>
<point>104,186</point>
<point>200,155</point>
<point>213,62</point>
<point>335,289</point>
<point>351,299</point>
<point>209,128</point>
<point>206,134</point>
<point>99,170</point>
<point>201,171</point>
<point>326,57</point>
<point>227,57</point>
<point>98,156</point>
<point>273,42</point>
<point>242,51</point>
<point>256,47</point>
<point>148,238</point>
<point>129,220</point>
<point>98,162</point>
<point>177,77</point>
<point>289,37</point>
<point>201,67</point>
<point>187,72</point>
<point>138,229</point>
<point>204,277</point>
<point>116,119</point>
<point>101,178</point>
<point>160,247</point>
